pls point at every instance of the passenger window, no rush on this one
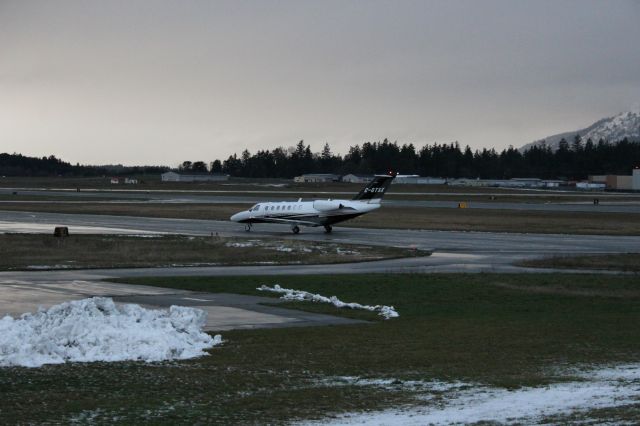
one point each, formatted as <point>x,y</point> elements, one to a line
<point>288,207</point>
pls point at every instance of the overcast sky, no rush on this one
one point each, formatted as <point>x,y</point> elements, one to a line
<point>159,82</point>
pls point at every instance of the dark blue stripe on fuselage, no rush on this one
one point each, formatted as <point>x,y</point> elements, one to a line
<point>317,219</point>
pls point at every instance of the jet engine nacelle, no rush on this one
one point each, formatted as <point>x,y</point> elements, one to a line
<point>326,205</point>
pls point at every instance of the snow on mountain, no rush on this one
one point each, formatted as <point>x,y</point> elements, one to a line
<point>612,129</point>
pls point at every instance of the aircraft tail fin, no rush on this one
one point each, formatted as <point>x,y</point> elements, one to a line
<point>375,190</point>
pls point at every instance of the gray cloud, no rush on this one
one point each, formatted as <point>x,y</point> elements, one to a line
<point>163,81</point>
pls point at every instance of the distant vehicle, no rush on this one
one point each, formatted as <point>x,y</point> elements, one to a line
<point>318,212</point>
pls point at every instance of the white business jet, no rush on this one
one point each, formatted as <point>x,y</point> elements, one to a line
<point>318,212</point>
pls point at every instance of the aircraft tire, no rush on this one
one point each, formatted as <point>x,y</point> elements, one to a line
<point>295,229</point>
<point>328,229</point>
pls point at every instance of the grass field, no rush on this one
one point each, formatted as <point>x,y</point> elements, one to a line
<point>387,217</point>
<point>32,251</point>
<point>619,262</point>
<point>506,331</point>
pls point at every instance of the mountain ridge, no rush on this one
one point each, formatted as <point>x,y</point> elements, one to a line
<point>611,129</point>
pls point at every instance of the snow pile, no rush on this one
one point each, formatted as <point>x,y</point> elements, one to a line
<point>301,295</point>
<point>598,389</point>
<point>97,330</point>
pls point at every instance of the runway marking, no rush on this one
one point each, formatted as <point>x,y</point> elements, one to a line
<point>197,300</point>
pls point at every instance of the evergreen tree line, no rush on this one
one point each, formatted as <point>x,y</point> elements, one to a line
<point>572,160</point>
<point>20,165</point>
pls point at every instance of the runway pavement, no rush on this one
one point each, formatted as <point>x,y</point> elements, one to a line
<point>452,252</point>
<point>443,241</point>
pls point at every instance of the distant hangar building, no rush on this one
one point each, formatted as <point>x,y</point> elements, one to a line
<point>351,178</point>
<point>400,179</point>
<point>619,182</point>
<point>180,177</point>
<point>419,180</point>
<point>317,177</point>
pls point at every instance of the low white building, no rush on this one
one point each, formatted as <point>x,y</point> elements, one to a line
<point>351,178</point>
<point>317,177</point>
<point>473,182</point>
<point>525,183</point>
<point>553,183</point>
<point>419,180</point>
<point>130,181</point>
<point>179,177</point>
<point>505,183</point>
<point>591,186</point>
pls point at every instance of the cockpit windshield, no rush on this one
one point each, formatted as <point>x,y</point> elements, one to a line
<point>255,208</point>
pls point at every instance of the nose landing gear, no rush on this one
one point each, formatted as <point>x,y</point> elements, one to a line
<point>247,227</point>
<point>295,229</point>
<point>327,229</point>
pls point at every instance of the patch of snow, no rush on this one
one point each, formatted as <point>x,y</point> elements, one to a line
<point>96,329</point>
<point>626,372</point>
<point>461,403</point>
<point>283,249</point>
<point>301,295</point>
<point>47,267</point>
<point>240,245</point>
<point>347,252</point>
<point>394,384</point>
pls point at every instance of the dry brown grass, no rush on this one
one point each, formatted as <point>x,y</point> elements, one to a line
<point>487,220</point>
<point>620,262</point>
<point>29,251</point>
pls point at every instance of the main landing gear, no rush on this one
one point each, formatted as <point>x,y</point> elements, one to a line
<point>327,229</point>
<point>247,227</point>
<point>295,229</point>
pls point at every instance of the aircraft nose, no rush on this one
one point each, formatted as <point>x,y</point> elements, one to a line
<point>239,216</point>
